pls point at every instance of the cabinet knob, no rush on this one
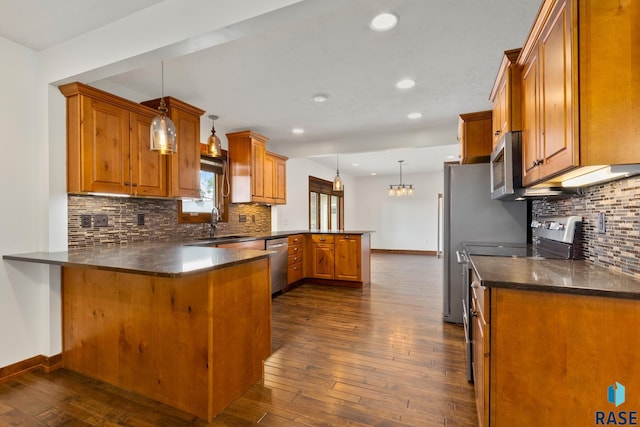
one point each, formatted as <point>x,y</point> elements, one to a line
<point>346,237</point>
<point>295,249</point>
<point>127,183</point>
<point>295,258</point>
<point>295,268</point>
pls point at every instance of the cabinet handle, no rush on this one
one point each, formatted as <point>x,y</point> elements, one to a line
<point>496,133</point>
<point>295,258</point>
<point>346,237</point>
<point>135,184</point>
<point>322,239</point>
<point>127,183</point>
<point>475,285</point>
<point>474,313</point>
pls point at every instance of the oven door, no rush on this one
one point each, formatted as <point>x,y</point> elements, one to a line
<point>463,260</point>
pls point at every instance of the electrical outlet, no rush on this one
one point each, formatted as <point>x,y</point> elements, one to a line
<point>253,218</point>
<point>101,220</point>
<point>242,218</point>
<point>140,219</point>
<point>85,220</point>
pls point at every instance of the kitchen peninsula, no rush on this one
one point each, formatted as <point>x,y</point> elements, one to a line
<point>187,326</point>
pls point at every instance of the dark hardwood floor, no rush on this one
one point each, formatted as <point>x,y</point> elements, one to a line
<point>381,356</point>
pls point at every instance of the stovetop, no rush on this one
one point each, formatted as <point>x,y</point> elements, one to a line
<point>553,238</point>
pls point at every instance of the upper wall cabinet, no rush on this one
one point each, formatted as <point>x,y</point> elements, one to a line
<point>505,97</point>
<point>183,167</point>
<point>108,145</point>
<point>474,134</point>
<point>256,175</point>
<point>580,91</point>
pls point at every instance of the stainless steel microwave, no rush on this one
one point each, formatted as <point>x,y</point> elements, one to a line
<point>506,167</point>
<point>506,174</point>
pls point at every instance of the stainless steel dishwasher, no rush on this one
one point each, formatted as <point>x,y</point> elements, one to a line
<point>278,263</point>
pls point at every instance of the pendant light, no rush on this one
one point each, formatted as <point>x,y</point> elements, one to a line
<point>214,149</point>
<point>400,189</point>
<point>337,181</point>
<point>163,131</point>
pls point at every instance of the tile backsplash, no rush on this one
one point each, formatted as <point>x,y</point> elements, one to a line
<point>160,221</point>
<point>618,247</point>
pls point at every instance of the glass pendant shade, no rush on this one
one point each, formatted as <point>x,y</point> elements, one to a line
<point>214,149</point>
<point>337,181</point>
<point>163,131</point>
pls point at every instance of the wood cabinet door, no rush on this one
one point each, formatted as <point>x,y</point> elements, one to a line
<point>348,258</point>
<point>322,260</point>
<point>184,165</point>
<point>530,119</point>
<point>104,147</point>
<point>556,83</point>
<point>500,110</point>
<point>269,178</point>
<point>281,181</point>
<point>258,155</point>
<point>148,168</point>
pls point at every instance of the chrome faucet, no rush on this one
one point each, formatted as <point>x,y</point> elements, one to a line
<point>215,218</point>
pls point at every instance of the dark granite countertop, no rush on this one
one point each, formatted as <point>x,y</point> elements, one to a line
<point>270,235</point>
<point>549,275</point>
<point>157,259</point>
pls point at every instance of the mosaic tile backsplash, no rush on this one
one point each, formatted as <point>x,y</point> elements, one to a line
<point>618,248</point>
<point>160,221</point>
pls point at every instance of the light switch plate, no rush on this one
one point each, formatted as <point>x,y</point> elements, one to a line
<point>602,223</point>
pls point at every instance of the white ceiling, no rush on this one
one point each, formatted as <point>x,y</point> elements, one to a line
<point>264,79</point>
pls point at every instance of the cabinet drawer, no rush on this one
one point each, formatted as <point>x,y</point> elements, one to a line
<point>296,239</point>
<point>295,249</point>
<point>294,259</point>
<point>295,273</point>
<point>322,238</point>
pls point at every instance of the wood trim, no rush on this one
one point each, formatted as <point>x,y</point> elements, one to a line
<point>77,88</point>
<point>508,60</point>
<point>45,363</point>
<point>404,252</point>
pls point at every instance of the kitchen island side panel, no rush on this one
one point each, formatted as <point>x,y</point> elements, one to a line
<point>182,341</point>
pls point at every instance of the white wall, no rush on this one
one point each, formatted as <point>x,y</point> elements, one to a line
<point>406,223</point>
<point>295,214</point>
<point>24,291</point>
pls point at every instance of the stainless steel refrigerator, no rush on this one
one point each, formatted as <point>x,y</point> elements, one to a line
<point>470,215</point>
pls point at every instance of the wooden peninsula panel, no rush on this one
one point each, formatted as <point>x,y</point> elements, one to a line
<point>195,342</point>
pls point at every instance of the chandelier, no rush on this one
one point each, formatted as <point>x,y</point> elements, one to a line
<point>400,189</point>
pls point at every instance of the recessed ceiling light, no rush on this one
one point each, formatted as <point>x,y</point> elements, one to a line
<point>355,164</point>
<point>297,131</point>
<point>383,22</point>
<point>415,115</point>
<point>373,174</point>
<point>406,84</point>
<point>320,97</point>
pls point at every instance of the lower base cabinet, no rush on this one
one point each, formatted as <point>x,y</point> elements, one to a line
<point>550,359</point>
<point>339,259</point>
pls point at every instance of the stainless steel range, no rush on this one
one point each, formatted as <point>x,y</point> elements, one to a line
<point>553,237</point>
